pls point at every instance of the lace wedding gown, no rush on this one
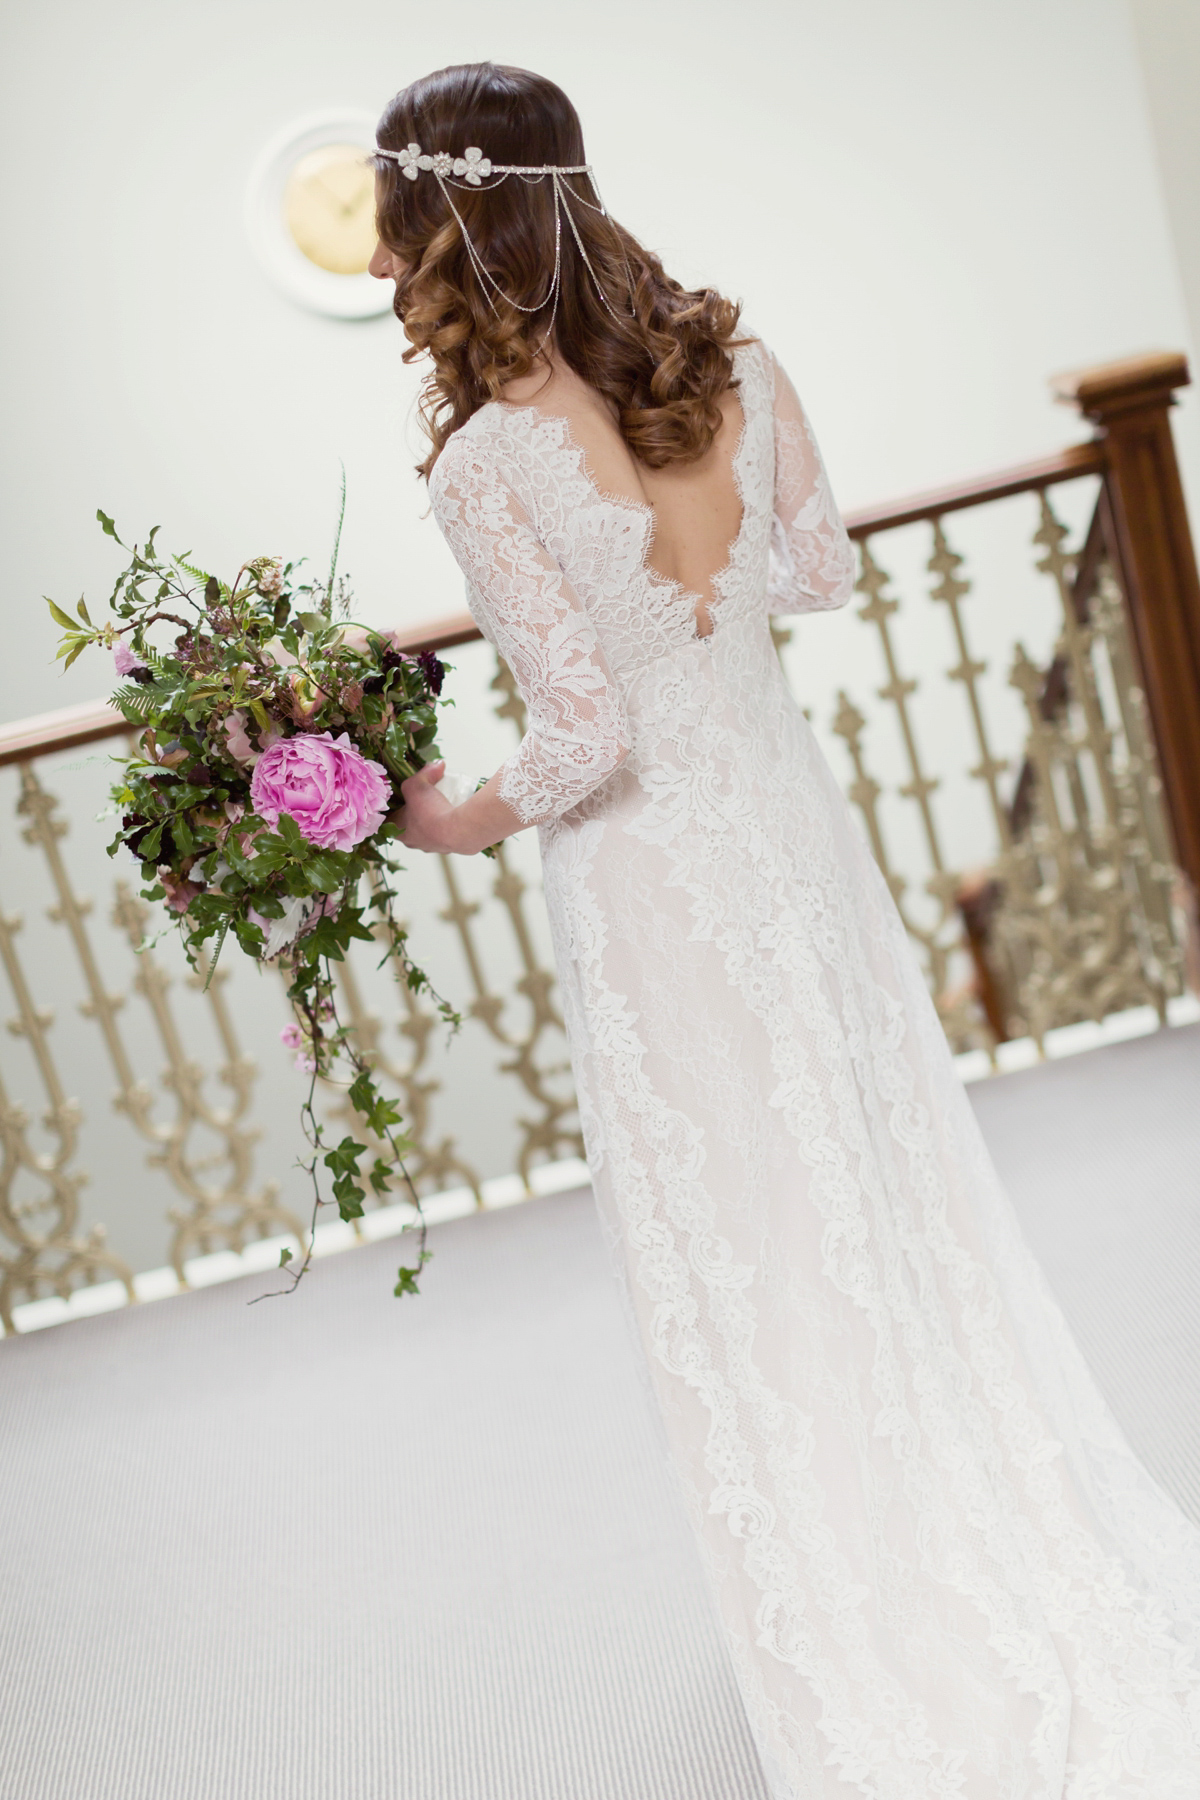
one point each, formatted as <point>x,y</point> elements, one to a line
<point>941,1569</point>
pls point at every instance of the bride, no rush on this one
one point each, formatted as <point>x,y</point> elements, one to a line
<point>941,1570</point>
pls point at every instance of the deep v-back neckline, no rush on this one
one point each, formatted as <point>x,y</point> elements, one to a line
<point>672,589</point>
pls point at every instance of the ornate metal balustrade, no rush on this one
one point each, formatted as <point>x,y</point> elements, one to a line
<point>1045,877</point>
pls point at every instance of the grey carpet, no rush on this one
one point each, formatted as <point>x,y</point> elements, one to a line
<point>339,1547</point>
<point>1101,1154</point>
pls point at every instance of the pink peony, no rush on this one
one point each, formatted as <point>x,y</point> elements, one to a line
<point>124,658</point>
<point>335,795</point>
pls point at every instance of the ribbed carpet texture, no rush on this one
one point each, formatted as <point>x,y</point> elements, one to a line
<point>340,1547</point>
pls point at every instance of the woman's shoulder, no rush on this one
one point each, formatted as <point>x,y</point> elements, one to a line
<point>752,359</point>
<point>501,445</point>
<point>493,440</point>
<point>479,450</point>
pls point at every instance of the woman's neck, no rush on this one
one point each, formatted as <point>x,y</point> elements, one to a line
<point>547,365</point>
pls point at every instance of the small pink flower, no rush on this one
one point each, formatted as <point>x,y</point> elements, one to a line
<point>237,740</point>
<point>242,747</point>
<point>277,652</point>
<point>306,1063</point>
<point>180,892</point>
<point>291,1037</point>
<point>336,796</point>
<point>125,659</point>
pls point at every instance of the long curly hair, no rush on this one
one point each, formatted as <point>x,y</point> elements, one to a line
<point>659,352</point>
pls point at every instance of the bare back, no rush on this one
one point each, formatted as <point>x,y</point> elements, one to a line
<point>696,506</point>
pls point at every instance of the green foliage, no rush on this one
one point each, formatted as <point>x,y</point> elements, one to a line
<point>343,1161</point>
<point>221,672</point>
<point>406,1279</point>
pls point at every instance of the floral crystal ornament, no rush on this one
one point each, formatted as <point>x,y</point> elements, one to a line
<point>472,166</point>
<point>273,736</point>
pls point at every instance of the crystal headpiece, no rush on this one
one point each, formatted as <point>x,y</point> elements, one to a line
<point>471,170</point>
<point>472,167</point>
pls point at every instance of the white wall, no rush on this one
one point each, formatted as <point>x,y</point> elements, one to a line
<point>928,207</point>
<point>1168,40</point>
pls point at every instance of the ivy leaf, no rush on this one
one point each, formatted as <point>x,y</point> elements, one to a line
<point>343,1162</point>
<point>406,1281</point>
<point>349,1197</point>
<point>343,1159</point>
<point>332,937</point>
<point>379,1112</point>
<point>285,1257</point>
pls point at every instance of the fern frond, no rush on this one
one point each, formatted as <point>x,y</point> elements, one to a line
<point>154,659</point>
<point>144,700</point>
<point>201,575</point>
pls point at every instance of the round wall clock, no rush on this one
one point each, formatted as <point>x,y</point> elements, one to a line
<point>310,213</point>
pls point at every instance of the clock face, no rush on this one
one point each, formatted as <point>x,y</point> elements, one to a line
<point>310,215</point>
<point>329,208</point>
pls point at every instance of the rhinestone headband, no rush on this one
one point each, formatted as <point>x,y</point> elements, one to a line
<point>472,169</point>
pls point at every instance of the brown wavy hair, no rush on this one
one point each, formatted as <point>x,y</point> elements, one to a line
<point>661,355</point>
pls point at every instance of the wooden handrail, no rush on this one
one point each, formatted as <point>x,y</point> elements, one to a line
<point>438,634</point>
<point>61,730</point>
<point>46,733</point>
<point>1025,478</point>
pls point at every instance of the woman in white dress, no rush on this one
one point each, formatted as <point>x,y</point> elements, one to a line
<point>941,1570</point>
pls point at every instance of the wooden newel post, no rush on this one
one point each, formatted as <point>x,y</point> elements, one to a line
<point>1129,404</point>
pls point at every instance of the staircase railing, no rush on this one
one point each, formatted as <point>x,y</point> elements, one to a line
<point>1066,895</point>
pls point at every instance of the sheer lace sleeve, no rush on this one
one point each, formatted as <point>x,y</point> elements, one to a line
<point>812,559</point>
<point>523,603</point>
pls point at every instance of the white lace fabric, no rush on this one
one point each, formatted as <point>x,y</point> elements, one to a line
<point>942,1572</point>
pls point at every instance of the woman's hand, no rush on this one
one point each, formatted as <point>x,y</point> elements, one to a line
<point>427,820</point>
<point>427,815</point>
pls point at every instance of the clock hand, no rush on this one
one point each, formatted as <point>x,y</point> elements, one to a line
<point>344,207</point>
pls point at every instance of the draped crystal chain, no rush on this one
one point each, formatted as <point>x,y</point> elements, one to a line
<point>473,168</point>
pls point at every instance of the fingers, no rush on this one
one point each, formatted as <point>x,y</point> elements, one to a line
<point>429,776</point>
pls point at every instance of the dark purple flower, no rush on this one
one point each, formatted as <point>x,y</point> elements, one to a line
<point>433,669</point>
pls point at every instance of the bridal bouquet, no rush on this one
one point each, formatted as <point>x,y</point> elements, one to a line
<point>273,735</point>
